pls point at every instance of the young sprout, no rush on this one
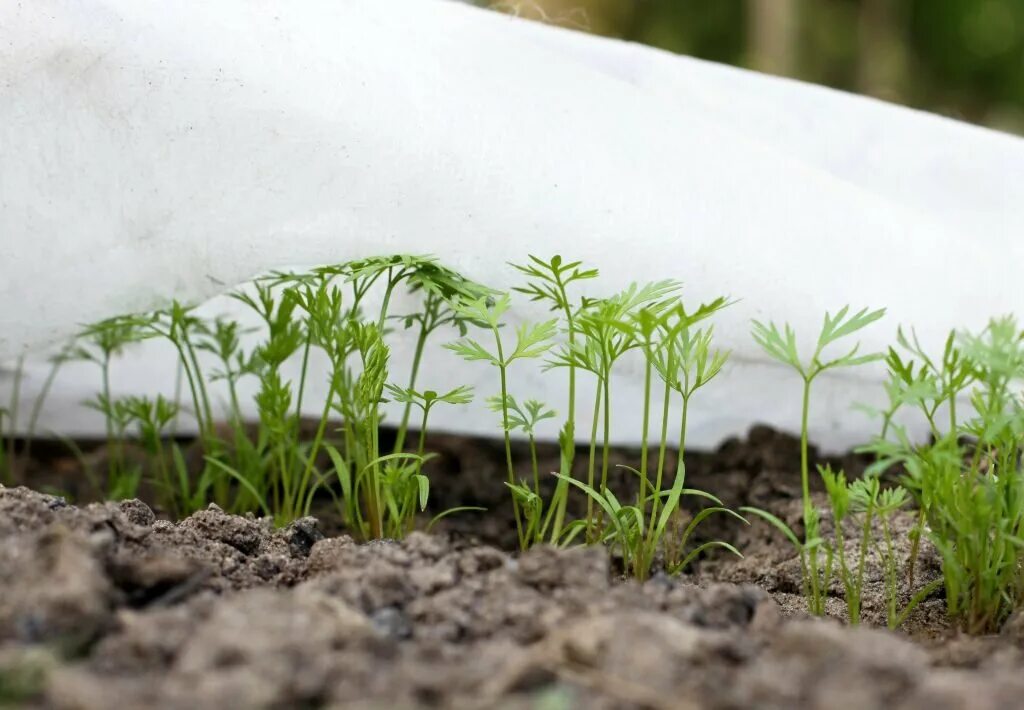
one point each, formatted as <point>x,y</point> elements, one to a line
<point>838,491</point>
<point>525,418</point>
<point>781,345</point>
<point>439,286</point>
<point>685,360</point>
<point>608,332</point>
<point>686,363</point>
<point>548,282</point>
<point>531,341</point>
<point>100,343</point>
<point>56,362</point>
<point>968,482</point>
<point>368,394</point>
<point>426,401</point>
<point>7,453</point>
<point>153,417</point>
<point>927,387</point>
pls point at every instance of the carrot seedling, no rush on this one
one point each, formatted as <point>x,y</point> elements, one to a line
<point>781,346</point>
<point>531,341</point>
<point>549,282</point>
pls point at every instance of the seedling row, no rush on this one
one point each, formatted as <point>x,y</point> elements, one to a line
<point>965,483</point>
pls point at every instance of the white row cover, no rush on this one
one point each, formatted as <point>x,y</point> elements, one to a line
<point>151,150</point>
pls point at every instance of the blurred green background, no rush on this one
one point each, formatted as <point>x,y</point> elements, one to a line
<point>960,58</point>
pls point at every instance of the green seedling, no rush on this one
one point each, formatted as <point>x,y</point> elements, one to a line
<point>607,334</point>
<point>867,499</point>
<point>839,495</point>
<point>99,344</point>
<point>8,461</point>
<point>426,401</point>
<point>525,418</point>
<point>975,517</point>
<point>304,313</point>
<point>8,454</point>
<point>781,345</point>
<point>439,287</point>
<point>56,363</point>
<point>926,385</point>
<point>275,471</point>
<point>968,481</point>
<point>685,362</point>
<point>548,282</point>
<point>666,337</point>
<point>153,418</point>
<point>531,341</point>
<point>415,484</point>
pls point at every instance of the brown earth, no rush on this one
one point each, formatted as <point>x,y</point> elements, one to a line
<point>106,605</point>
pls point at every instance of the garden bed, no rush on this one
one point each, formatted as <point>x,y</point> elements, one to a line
<point>105,605</point>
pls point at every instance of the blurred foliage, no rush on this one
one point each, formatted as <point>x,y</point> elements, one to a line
<point>962,58</point>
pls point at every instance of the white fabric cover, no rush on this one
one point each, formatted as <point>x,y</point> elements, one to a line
<point>151,150</point>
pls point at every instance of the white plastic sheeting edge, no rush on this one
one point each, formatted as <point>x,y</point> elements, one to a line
<point>151,150</point>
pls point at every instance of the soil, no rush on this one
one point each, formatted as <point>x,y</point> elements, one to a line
<point>107,605</point>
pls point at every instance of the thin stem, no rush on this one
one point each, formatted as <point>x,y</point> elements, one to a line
<point>177,397</point>
<point>377,523</point>
<point>644,433</point>
<point>204,397</point>
<point>165,475</point>
<point>191,384</point>
<point>805,485</point>
<point>236,409</point>
<point>561,497</point>
<point>302,386</point>
<point>285,476</point>
<point>317,440</point>
<point>533,461</point>
<point>403,426</point>
<point>852,601</point>
<point>422,439</point>
<point>37,406</point>
<point>592,460</point>
<point>816,602</point>
<point>890,575</point>
<point>952,413</point>
<point>392,282</point>
<point>681,464</point>
<point>863,554</point>
<point>535,529</point>
<point>915,545</point>
<point>113,466</point>
<point>508,439</point>
<point>607,427</point>
<point>662,449</point>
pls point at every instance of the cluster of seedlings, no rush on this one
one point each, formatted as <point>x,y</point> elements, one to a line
<point>967,483</point>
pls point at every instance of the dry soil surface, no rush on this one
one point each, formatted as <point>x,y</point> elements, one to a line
<point>106,606</point>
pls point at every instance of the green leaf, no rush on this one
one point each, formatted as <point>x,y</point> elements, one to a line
<point>605,505</point>
<point>242,481</point>
<point>779,525</point>
<point>840,326</point>
<point>533,340</point>
<point>471,350</point>
<point>423,484</point>
<point>452,511</point>
<point>706,546</point>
